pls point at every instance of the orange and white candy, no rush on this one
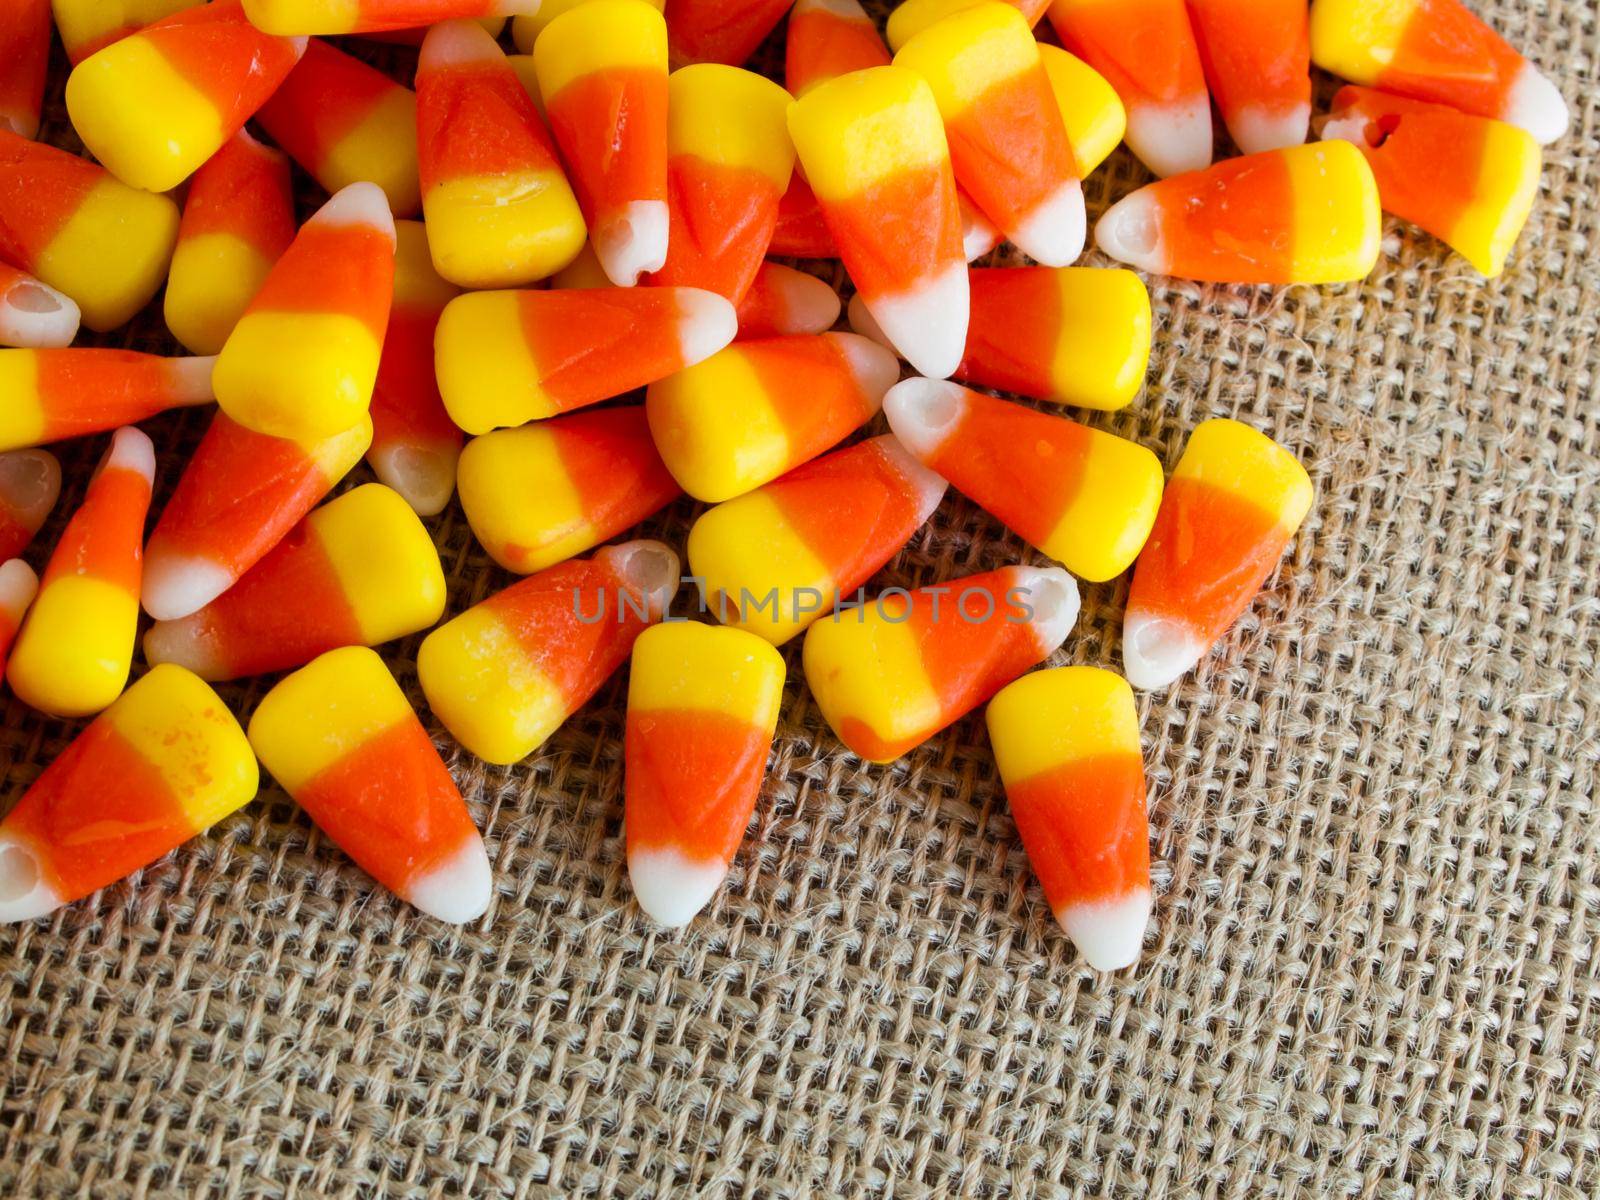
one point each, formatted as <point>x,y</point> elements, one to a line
<point>340,737</point>
<point>34,315</point>
<point>24,59</point>
<point>1234,503</point>
<point>826,39</point>
<point>30,482</point>
<point>78,390</point>
<point>1067,744</point>
<point>720,31</point>
<point>702,707</point>
<point>18,586</point>
<point>373,16</point>
<point>782,301</point>
<point>1257,59</point>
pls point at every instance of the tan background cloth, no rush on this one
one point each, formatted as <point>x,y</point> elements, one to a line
<point>1371,969</point>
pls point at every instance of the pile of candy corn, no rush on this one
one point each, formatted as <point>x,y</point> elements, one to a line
<point>600,214</point>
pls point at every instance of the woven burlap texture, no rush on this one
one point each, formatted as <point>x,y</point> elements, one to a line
<point>1370,971</point>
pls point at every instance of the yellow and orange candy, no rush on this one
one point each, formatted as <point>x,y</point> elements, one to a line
<point>30,482</point>
<point>895,671</point>
<point>238,220</point>
<point>826,39</point>
<point>328,17</point>
<point>602,70</point>
<point>75,649</point>
<point>1257,58</point>
<point>340,737</point>
<point>776,559</point>
<point>506,673</point>
<point>782,301</point>
<point>720,31</point>
<point>1234,503</point>
<point>18,586</point>
<point>79,229</point>
<point>550,489</point>
<point>1067,744</point>
<point>1008,144</point>
<point>1435,50</point>
<point>155,105</point>
<point>34,315</point>
<point>760,408</point>
<point>801,231</point>
<point>78,390</point>
<point>24,57</point>
<point>1308,214</point>
<point>499,210</point>
<point>165,762</point>
<point>345,122</point>
<point>414,35</point>
<point>1470,181</point>
<point>1146,50</point>
<point>302,361</point>
<point>90,25</point>
<point>415,444</point>
<point>873,148</point>
<point>728,165</point>
<point>702,708</point>
<point>1090,108</point>
<point>526,30</point>
<point>239,496</point>
<point>507,357</point>
<point>911,17</point>
<point>359,571</point>
<point>1085,497</point>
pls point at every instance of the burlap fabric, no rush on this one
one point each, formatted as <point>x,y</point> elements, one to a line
<point>1371,970</point>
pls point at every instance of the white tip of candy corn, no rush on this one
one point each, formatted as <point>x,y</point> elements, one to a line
<point>978,234</point>
<point>1171,138</point>
<point>1258,130</point>
<point>24,894</point>
<point>18,586</point>
<point>923,412</point>
<point>929,486</point>
<point>1537,106</point>
<point>875,367</point>
<point>459,889</point>
<point>1052,595</point>
<point>1130,232</point>
<point>863,322</point>
<point>807,304</point>
<point>35,316</point>
<point>30,481</point>
<point>650,568</point>
<point>184,643</point>
<point>459,43</point>
<point>631,242</point>
<point>357,204</point>
<point>424,477</point>
<point>1053,233</point>
<point>1110,935</point>
<point>131,450</point>
<point>706,323</point>
<point>670,888</point>
<point>190,379</point>
<point>176,585</point>
<point>928,325</point>
<point>1157,650</point>
<point>512,8</point>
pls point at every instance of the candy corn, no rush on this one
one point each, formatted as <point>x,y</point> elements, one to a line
<point>302,360</point>
<point>1470,181</point>
<point>893,672</point>
<point>760,408</point>
<point>414,36</point>
<point>1075,335</point>
<point>1067,743</point>
<point>1235,501</point>
<point>729,161</point>
<point>1146,50</point>
<point>240,494</point>
<point>373,16</point>
<point>775,559</point>
<point>76,647</point>
<point>1091,110</point>
<point>90,25</point>
<point>155,105</point>
<point>826,39</point>
<point>526,30</point>
<point>346,122</point>
<point>33,314</point>
<point>30,481</point>
<point>873,148</point>
<point>911,17</point>
<point>24,55</point>
<point>18,586</point>
<point>1308,214</point>
<point>358,571</point>
<point>1257,58</point>
<point>415,444</point>
<point>340,737</point>
<point>720,31</point>
<point>1008,145</point>
<point>237,221</point>
<point>78,229</point>
<point>508,357</point>
<point>551,489</point>
<point>1085,498</point>
<point>602,70</point>
<point>78,390</point>
<point>801,231</point>
<point>165,762</point>
<point>978,234</point>
<point>506,673</point>
<point>782,301</point>
<point>1435,50</point>
<point>702,707</point>
<point>499,210</point>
